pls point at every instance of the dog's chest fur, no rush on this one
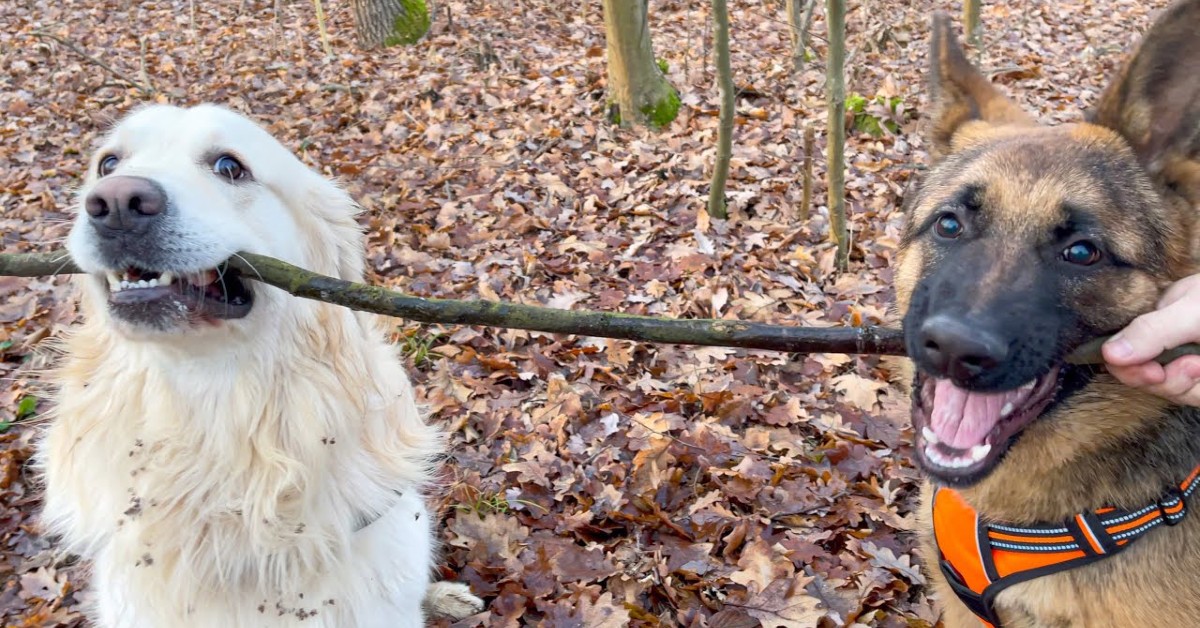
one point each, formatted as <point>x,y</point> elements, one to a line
<point>253,485</point>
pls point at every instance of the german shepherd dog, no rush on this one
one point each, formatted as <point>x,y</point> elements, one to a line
<point>1023,242</point>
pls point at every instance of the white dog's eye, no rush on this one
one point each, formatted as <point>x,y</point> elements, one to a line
<point>107,164</point>
<point>227,167</point>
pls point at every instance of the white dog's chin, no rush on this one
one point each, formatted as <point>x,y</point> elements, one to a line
<point>168,301</point>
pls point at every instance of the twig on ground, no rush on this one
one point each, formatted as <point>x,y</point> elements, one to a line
<point>146,90</point>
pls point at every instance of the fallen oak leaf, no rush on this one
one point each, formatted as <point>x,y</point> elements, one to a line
<point>885,558</point>
<point>859,391</point>
<point>760,565</point>
<point>785,604</point>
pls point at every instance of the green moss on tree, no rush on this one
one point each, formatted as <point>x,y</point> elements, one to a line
<point>662,112</point>
<point>411,25</point>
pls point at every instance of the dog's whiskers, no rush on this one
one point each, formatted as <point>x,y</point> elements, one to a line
<point>247,262</point>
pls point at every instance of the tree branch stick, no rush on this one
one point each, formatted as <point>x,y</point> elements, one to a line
<point>710,332</point>
<point>70,45</point>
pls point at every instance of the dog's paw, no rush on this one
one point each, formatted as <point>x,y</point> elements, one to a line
<point>451,600</point>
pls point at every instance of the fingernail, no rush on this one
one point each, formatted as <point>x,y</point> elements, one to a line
<point>1118,347</point>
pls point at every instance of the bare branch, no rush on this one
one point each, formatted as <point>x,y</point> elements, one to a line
<point>710,332</point>
<point>146,90</point>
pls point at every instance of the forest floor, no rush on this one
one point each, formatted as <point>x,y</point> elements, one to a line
<point>591,482</point>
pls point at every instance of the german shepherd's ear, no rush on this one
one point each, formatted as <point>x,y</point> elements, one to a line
<point>1155,100</point>
<point>961,95</point>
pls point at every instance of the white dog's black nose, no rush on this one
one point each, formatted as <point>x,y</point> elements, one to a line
<point>123,205</point>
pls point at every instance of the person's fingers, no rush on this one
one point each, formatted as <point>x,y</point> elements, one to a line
<point>1178,290</point>
<point>1143,375</point>
<point>1181,380</point>
<point>1152,333</point>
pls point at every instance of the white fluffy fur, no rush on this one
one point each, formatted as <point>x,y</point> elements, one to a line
<point>213,473</point>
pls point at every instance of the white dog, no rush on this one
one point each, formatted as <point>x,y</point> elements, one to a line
<point>228,455</point>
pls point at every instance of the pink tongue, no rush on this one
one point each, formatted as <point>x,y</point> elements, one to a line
<point>962,419</point>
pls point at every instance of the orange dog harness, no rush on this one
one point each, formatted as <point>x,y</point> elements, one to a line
<point>982,558</point>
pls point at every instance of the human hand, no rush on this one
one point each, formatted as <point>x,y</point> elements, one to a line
<point>1176,321</point>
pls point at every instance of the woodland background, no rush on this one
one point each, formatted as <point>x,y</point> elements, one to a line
<point>590,482</point>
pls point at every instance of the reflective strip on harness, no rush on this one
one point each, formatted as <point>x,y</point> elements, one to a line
<point>981,559</point>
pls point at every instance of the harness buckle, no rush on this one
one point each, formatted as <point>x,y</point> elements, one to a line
<point>1170,499</point>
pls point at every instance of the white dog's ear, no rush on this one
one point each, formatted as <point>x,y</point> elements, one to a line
<point>339,248</point>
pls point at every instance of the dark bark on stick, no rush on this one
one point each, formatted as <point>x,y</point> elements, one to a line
<point>711,332</point>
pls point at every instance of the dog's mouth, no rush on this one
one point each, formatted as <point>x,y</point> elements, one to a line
<point>139,294</point>
<point>961,435</point>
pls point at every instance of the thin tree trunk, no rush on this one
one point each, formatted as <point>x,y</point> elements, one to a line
<point>321,28</point>
<point>390,22</point>
<point>974,30</point>
<point>835,18</point>
<point>637,88</point>
<point>806,190</point>
<point>799,17</point>
<point>716,193</point>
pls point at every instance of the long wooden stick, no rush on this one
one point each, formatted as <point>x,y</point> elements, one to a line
<point>710,332</point>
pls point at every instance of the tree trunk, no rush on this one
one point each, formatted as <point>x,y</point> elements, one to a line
<point>716,193</point>
<point>636,85</point>
<point>835,18</point>
<point>806,182</point>
<point>971,24</point>
<point>321,29</point>
<point>390,22</point>
<point>799,17</point>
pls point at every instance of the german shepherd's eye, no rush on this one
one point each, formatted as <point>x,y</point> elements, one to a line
<point>228,167</point>
<point>107,165</point>
<point>1082,253</point>
<point>948,226</point>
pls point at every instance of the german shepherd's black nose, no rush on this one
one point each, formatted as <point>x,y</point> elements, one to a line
<point>125,205</point>
<point>958,351</point>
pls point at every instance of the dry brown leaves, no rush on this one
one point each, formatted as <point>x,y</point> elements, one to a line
<point>592,482</point>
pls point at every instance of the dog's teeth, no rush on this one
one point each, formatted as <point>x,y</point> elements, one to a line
<point>114,282</point>
<point>1006,410</point>
<point>975,455</point>
<point>1028,387</point>
<point>153,283</point>
<point>125,285</point>
<point>202,278</point>
<point>142,284</point>
<point>929,436</point>
<point>166,279</point>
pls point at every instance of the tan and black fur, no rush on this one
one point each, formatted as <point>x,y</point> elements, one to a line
<point>1130,178</point>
